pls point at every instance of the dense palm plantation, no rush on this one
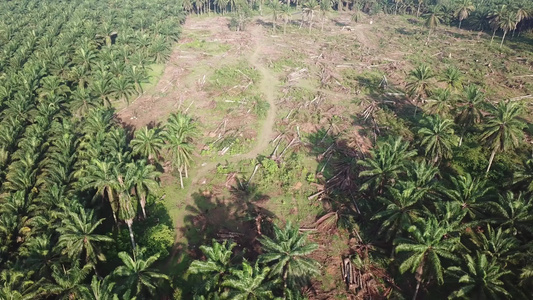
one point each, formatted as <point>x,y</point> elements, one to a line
<point>70,175</point>
<point>77,190</point>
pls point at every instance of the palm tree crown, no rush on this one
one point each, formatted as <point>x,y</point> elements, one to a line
<point>286,253</point>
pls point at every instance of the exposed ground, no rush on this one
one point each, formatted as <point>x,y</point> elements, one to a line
<point>316,85</point>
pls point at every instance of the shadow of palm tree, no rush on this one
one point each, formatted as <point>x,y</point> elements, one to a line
<point>239,217</point>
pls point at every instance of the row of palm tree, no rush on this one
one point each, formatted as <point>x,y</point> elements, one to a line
<point>502,131</point>
<point>424,207</point>
<point>507,17</point>
<point>70,175</point>
<point>282,268</point>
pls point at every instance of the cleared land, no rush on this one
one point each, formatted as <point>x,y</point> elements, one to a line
<point>278,101</point>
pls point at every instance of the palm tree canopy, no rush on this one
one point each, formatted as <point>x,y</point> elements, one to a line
<point>437,137</point>
<point>78,235</point>
<point>428,244</point>
<point>137,274</point>
<point>503,130</point>
<point>387,161</point>
<point>248,283</point>
<point>482,279</point>
<point>286,253</point>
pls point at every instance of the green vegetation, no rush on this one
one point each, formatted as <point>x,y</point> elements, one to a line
<point>421,184</point>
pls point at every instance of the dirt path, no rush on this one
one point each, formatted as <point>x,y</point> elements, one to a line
<point>267,87</point>
<point>362,33</point>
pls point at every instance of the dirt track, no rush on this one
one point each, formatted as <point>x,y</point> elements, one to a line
<point>267,87</point>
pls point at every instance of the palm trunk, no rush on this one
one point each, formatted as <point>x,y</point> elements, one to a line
<point>493,34</point>
<point>503,38</point>
<point>418,10</point>
<point>417,288</point>
<point>490,160</point>
<point>396,8</point>
<point>460,21</point>
<point>142,200</point>
<point>461,139</point>
<point>111,203</point>
<point>132,238</point>
<point>284,276</point>
<point>181,178</point>
<point>418,276</point>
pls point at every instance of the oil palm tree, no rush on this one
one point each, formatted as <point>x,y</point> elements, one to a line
<point>325,7</point>
<point>126,211</point>
<point>16,285</point>
<point>439,102</point>
<point>453,78</point>
<point>497,244</point>
<point>523,177</point>
<point>178,133</point>
<point>469,193</point>
<point>137,276</point>
<point>402,209</point>
<point>437,137</point>
<point>102,176</point>
<point>429,243</point>
<point>147,142</point>
<point>495,17</point>
<point>422,174</point>
<point>143,178</point>
<point>503,130</point>
<point>386,162</point>
<point>138,75</point>
<point>276,8</point>
<point>507,22</point>
<point>482,278</point>
<point>309,8</point>
<point>101,289</point>
<point>78,236</point>
<point>215,267</point>
<point>433,20</point>
<point>464,8</point>
<point>419,83</point>
<point>469,110</point>
<point>248,283</point>
<point>68,283</point>
<point>514,213</point>
<point>122,88</point>
<point>285,15</point>
<point>286,253</point>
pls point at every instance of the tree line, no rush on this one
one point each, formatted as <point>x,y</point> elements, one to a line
<point>505,16</point>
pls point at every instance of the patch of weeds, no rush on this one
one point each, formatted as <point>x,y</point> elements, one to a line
<point>260,107</point>
<point>300,94</point>
<point>233,77</point>
<point>286,62</point>
<point>154,73</point>
<point>366,82</point>
<point>209,47</point>
<point>394,125</point>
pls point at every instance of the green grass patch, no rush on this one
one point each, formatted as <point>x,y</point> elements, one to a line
<point>154,73</point>
<point>234,78</point>
<point>174,200</point>
<point>206,46</point>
